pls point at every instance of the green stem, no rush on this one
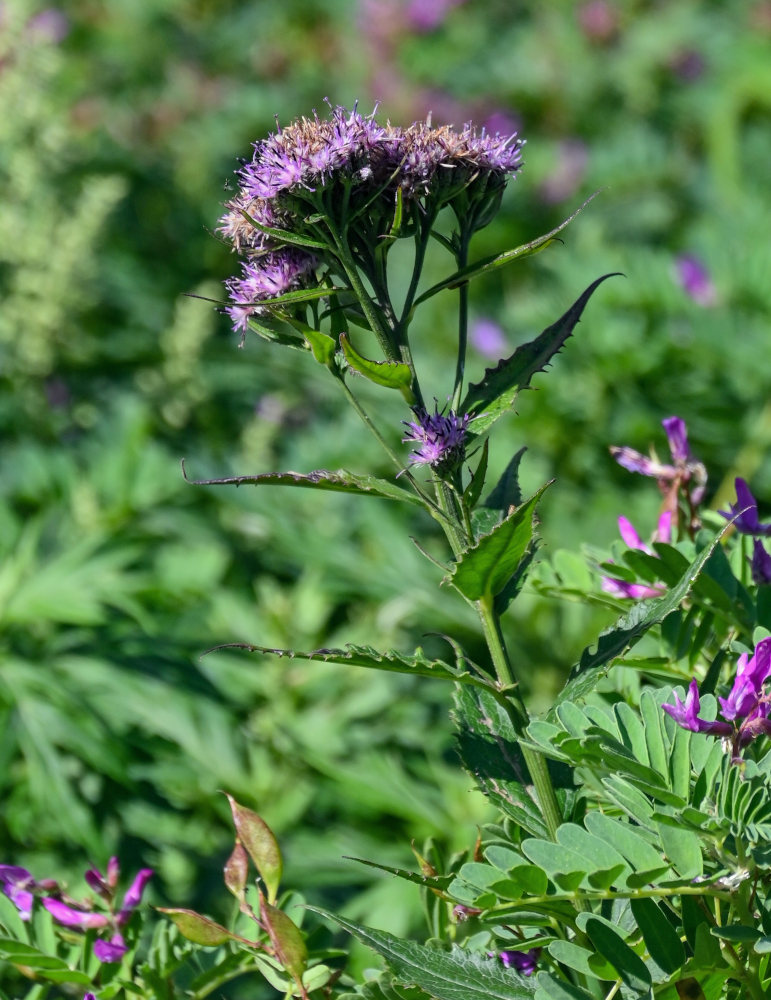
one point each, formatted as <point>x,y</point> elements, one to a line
<point>536,762</point>
<point>460,366</point>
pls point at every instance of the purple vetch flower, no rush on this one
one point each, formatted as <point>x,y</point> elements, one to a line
<point>695,281</point>
<point>744,513</point>
<point>760,565</point>
<point>525,962</point>
<point>70,917</point>
<point>684,470</point>
<point>746,708</point>
<point>112,950</point>
<point>638,591</point>
<point>133,896</point>
<point>111,946</point>
<point>686,714</point>
<point>16,883</point>
<point>488,337</point>
<point>441,438</point>
<point>751,674</point>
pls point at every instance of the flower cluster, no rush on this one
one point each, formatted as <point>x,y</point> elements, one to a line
<point>315,176</point>
<point>684,473</point>
<point>744,516</point>
<point>745,711</point>
<point>442,439</point>
<point>21,888</point>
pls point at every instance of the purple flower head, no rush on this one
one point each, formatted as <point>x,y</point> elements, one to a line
<point>16,884</point>
<point>525,962</point>
<point>89,996</point>
<point>112,950</point>
<point>744,513</point>
<point>441,438</point>
<point>488,338</point>
<point>760,565</point>
<point>265,278</point>
<point>686,714</point>
<point>695,280</point>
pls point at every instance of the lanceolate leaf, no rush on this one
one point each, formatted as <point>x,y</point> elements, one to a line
<point>631,627</point>
<point>366,656</point>
<point>495,394</point>
<point>391,374</point>
<point>490,752</point>
<point>340,481</point>
<point>485,569</point>
<point>499,260</point>
<point>285,235</point>
<point>445,975</point>
<point>439,882</point>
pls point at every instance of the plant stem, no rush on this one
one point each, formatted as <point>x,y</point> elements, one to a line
<point>460,366</point>
<point>536,762</point>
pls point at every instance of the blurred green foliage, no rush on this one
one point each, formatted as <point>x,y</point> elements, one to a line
<point>122,123</point>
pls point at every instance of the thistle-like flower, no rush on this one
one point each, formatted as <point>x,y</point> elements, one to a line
<point>441,439</point>
<point>335,181</point>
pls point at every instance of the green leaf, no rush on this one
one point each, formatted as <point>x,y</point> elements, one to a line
<point>260,843</point>
<point>616,951</point>
<point>439,882</point>
<point>341,481</point>
<point>683,848</point>
<point>479,267</point>
<point>19,953</point>
<point>628,630</point>
<point>197,928</point>
<point>445,975</point>
<point>365,656</point>
<point>484,570</point>
<point>495,394</point>
<point>551,988</point>
<point>474,489</point>
<point>574,956</point>
<point>285,235</point>
<point>506,493</point>
<point>620,835</point>
<point>286,938</point>
<point>390,374</point>
<point>323,347</point>
<point>660,937</point>
<point>738,933</point>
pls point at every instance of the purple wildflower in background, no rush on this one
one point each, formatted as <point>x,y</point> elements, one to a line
<point>427,15</point>
<point>760,565</point>
<point>684,470</point>
<point>16,884</point>
<point>488,338</point>
<point>744,513</point>
<point>695,281</point>
<point>71,917</point>
<point>745,710</point>
<point>525,962</point>
<point>441,438</point>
